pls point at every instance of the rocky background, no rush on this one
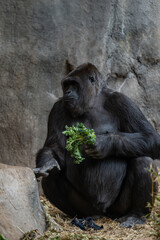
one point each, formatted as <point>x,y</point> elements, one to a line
<point>38,41</point>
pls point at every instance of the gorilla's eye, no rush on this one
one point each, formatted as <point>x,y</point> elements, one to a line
<point>70,84</point>
<point>91,79</point>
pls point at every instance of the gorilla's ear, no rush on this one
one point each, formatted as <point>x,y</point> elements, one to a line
<point>69,67</point>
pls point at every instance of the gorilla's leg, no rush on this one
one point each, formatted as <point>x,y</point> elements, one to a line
<point>137,191</point>
<point>63,195</point>
<point>144,188</point>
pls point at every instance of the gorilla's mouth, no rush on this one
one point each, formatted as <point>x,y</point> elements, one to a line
<point>70,100</point>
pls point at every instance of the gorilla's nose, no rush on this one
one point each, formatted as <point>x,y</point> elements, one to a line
<point>68,92</point>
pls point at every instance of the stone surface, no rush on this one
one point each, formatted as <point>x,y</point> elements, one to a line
<point>121,37</point>
<point>20,207</point>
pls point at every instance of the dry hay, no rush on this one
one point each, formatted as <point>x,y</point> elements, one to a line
<point>66,231</point>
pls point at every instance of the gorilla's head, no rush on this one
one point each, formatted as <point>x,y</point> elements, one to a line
<point>81,88</point>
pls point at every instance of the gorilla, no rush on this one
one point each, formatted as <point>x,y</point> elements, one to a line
<point>114,179</point>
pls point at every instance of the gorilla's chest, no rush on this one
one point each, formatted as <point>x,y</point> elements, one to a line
<point>101,121</point>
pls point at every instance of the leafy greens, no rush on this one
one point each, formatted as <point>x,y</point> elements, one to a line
<point>76,137</point>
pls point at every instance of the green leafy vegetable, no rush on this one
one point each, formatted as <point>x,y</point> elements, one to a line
<point>78,135</point>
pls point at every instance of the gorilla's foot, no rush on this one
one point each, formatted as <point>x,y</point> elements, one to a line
<point>86,223</point>
<point>130,221</point>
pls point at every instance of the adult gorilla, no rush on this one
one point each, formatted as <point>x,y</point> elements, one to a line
<point>113,180</point>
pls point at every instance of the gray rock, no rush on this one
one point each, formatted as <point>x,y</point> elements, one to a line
<point>122,38</point>
<point>20,207</point>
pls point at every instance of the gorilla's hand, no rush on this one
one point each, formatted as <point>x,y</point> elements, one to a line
<point>47,168</point>
<point>99,150</point>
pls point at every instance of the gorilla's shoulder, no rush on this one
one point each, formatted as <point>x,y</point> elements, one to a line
<point>117,100</point>
<point>57,109</point>
<point>58,104</point>
<point>115,96</point>
<point>112,95</point>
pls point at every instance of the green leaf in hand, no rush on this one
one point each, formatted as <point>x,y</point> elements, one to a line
<point>76,137</point>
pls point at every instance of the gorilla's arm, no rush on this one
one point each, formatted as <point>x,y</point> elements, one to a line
<point>45,162</point>
<point>125,145</point>
<point>136,136</point>
<point>51,156</point>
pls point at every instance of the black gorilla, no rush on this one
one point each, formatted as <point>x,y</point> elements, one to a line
<point>113,180</point>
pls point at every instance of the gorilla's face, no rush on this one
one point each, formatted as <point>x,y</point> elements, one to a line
<point>70,93</point>
<point>80,89</point>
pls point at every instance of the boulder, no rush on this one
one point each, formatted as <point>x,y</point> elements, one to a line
<point>20,207</point>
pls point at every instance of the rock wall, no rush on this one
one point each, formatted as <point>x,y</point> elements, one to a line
<point>121,37</point>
